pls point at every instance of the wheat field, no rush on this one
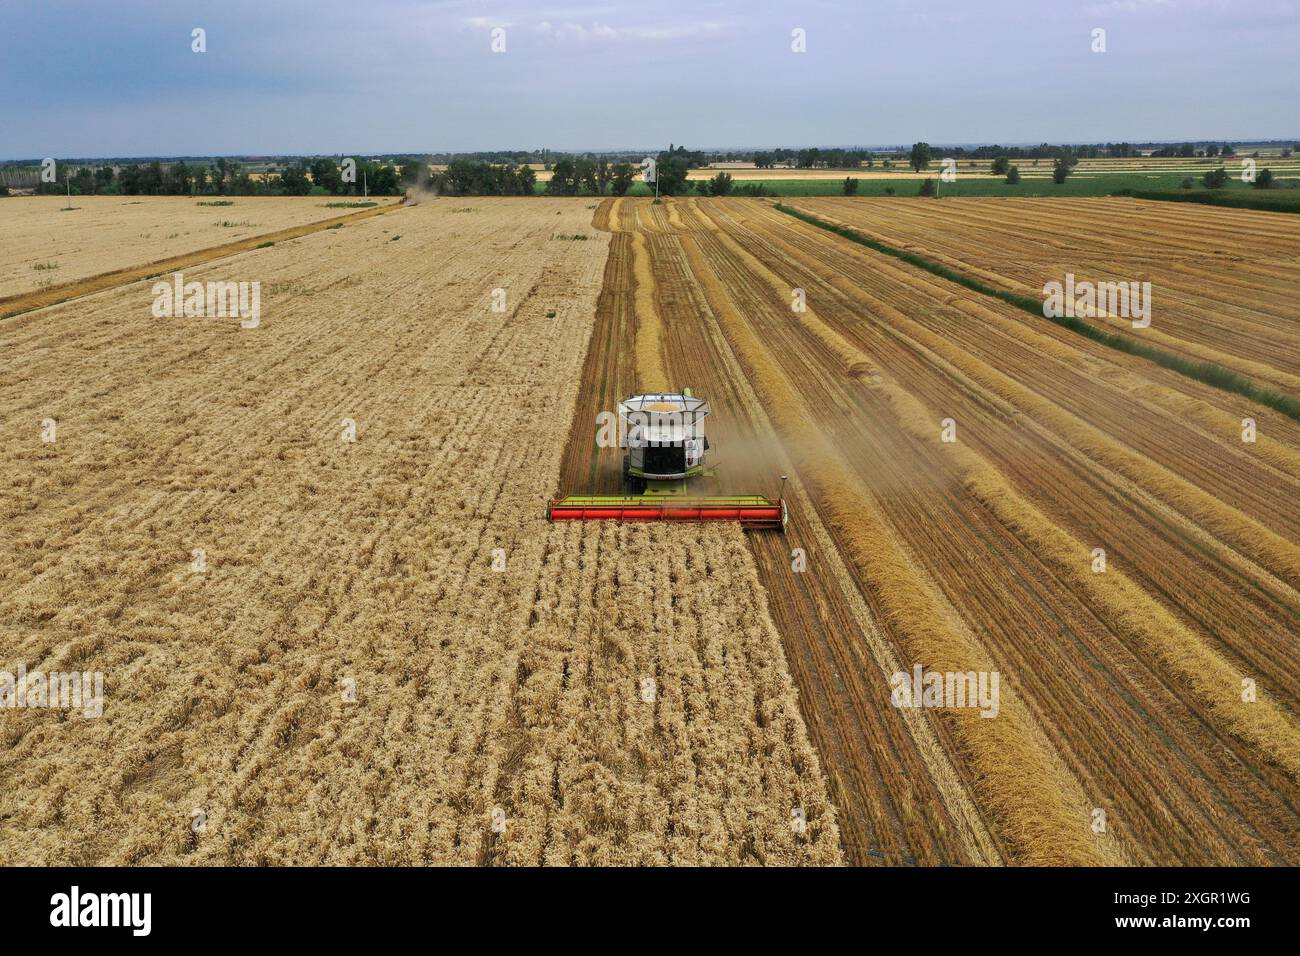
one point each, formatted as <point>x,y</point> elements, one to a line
<point>310,558</point>
<point>383,653</point>
<point>46,244</point>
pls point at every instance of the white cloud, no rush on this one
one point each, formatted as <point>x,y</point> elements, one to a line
<point>604,32</point>
<point>1130,6</point>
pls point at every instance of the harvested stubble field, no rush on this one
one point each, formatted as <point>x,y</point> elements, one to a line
<point>1224,281</point>
<point>499,716</point>
<point>46,244</point>
<point>1122,690</point>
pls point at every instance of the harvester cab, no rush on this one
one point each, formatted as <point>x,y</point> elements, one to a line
<point>663,463</point>
<point>665,442</point>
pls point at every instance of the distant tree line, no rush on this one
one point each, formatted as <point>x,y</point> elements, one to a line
<point>464,177</point>
<point>582,176</point>
<point>1188,151</point>
<point>224,178</point>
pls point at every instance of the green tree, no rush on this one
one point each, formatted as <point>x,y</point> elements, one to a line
<point>1215,178</point>
<point>928,188</point>
<point>241,182</point>
<point>621,178</point>
<point>1013,176</point>
<point>179,179</point>
<point>920,156</point>
<point>671,171</point>
<point>602,173</point>
<point>526,178</point>
<point>326,175</point>
<point>1000,166</point>
<point>384,180</point>
<point>850,186</point>
<point>720,185</point>
<point>564,181</point>
<point>151,179</point>
<point>1264,180</point>
<point>585,171</point>
<point>129,177</point>
<point>1060,170</point>
<point>294,181</point>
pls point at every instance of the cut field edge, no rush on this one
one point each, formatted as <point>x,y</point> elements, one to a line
<point>1208,373</point>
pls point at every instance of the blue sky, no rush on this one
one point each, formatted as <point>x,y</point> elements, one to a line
<point>92,78</point>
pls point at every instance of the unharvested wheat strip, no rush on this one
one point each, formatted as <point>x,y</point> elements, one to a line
<point>1131,608</point>
<point>974,835</point>
<point>607,208</point>
<point>649,349</point>
<point>1041,807</point>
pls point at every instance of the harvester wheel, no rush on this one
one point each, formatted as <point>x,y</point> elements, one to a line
<point>632,485</point>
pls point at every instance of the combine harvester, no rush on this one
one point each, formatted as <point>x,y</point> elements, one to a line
<point>665,442</point>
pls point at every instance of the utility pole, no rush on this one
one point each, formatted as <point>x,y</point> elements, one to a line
<point>365,184</point>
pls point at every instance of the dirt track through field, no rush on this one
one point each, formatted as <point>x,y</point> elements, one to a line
<point>1132,683</point>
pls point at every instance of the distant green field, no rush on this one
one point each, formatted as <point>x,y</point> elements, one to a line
<point>974,185</point>
<point>1167,185</point>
